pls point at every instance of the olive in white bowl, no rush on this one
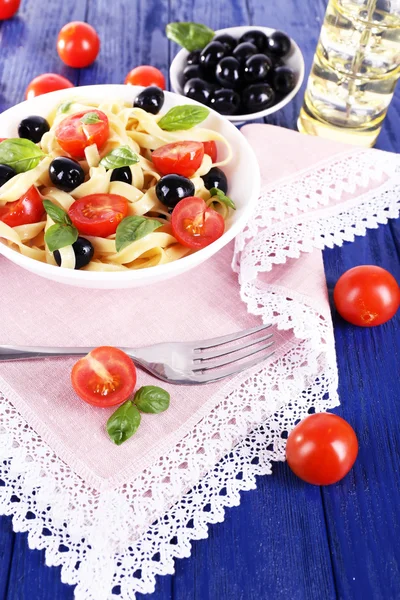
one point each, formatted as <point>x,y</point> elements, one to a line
<point>244,73</point>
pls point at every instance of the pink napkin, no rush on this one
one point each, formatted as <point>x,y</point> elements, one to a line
<point>200,304</point>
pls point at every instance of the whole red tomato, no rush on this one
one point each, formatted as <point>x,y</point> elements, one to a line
<point>145,75</point>
<point>367,295</point>
<point>321,449</point>
<point>48,82</point>
<point>78,44</point>
<point>8,8</point>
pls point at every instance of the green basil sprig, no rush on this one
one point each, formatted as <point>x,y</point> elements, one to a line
<point>133,228</point>
<point>62,233</point>
<point>152,399</point>
<point>183,117</point>
<point>64,107</point>
<point>90,118</point>
<point>192,36</point>
<point>222,197</point>
<point>122,156</point>
<point>20,154</point>
<point>123,423</point>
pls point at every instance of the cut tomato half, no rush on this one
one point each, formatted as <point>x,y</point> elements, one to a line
<point>195,225</point>
<point>98,214</point>
<point>28,209</point>
<point>74,134</point>
<point>104,377</point>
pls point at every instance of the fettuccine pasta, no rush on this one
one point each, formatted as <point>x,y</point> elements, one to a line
<point>121,208</point>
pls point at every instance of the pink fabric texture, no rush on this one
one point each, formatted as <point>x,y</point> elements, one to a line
<point>200,304</point>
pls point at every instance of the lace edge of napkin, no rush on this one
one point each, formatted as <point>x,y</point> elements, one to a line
<point>223,455</point>
<point>282,229</point>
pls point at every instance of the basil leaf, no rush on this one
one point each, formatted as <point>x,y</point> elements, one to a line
<point>152,399</point>
<point>192,36</point>
<point>223,198</point>
<point>56,213</point>
<point>122,156</point>
<point>63,108</point>
<point>133,228</point>
<point>59,236</point>
<point>20,154</point>
<point>183,117</point>
<point>90,118</point>
<point>123,423</point>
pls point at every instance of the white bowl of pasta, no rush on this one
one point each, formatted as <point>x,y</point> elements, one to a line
<point>116,183</point>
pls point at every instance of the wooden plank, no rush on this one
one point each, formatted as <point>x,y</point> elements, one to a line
<point>363,513</point>
<point>7,538</point>
<point>28,46</point>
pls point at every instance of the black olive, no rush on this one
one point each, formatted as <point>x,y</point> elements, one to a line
<point>193,58</point>
<point>151,100</point>
<point>257,97</point>
<point>212,54</point>
<point>227,40</point>
<point>258,38</point>
<point>257,68</point>
<point>170,189</point>
<point>190,72</point>
<point>6,173</point>
<point>199,90</point>
<point>243,51</point>
<point>278,44</point>
<point>228,72</point>
<point>33,128</point>
<point>66,174</point>
<point>225,101</point>
<point>83,250</point>
<point>283,80</point>
<point>123,174</point>
<point>215,178</point>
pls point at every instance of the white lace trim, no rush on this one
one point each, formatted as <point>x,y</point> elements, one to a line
<point>103,540</point>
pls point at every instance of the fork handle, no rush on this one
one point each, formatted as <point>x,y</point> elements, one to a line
<point>32,352</point>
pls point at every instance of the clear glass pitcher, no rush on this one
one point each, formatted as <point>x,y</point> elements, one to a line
<point>354,73</point>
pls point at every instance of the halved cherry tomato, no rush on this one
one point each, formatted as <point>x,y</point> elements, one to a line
<point>28,209</point>
<point>321,449</point>
<point>210,148</point>
<point>78,44</point>
<point>104,377</point>
<point>145,75</point>
<point>181,158</point>
<point>367,295</point>
<point>8,8</point>
<point>98,214</point>
<point>194,224</point>
<point>2,139</point>
<point>74,135</point>
<point>48,82</point>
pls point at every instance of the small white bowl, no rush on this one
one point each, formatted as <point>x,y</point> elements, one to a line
<point>242,172</point>
<point>294,60</point>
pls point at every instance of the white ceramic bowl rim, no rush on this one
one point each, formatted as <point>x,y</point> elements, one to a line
<point>295,52</point>
<point>155,273</point>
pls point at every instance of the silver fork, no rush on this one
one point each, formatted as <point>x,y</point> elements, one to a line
<point>186,363</point>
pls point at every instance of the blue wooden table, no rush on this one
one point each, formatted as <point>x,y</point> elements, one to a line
<point>287,540</point>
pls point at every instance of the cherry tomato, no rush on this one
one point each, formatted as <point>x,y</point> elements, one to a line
<point>98,214</point>
<point>48,82</point>
<point>321,449</point>
<point>78,44</point>
<point>2,139</point>
<point>8,8</point>
<point>74,135</point>
<point>194,224</point>
<point>210,148</point>
<point>28,209</point>
<point>104,377</point>
<point>145,75</point>
<point>181,158</point>
<point>367,295</point>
